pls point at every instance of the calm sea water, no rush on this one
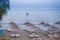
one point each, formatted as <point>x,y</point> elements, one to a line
<point>35,16</point>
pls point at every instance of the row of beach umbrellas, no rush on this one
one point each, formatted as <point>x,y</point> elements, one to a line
<point>41,23</point>
<point>51,27</point>
<point>30,24</point>
<point>15,27</point>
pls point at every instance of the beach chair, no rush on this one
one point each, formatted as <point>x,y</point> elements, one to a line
<point>12,35</point>
<point>15,35</point>
<point>33,36</point>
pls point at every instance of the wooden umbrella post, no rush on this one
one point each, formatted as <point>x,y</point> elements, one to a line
<point>15,38</point>
<point>33,38</point>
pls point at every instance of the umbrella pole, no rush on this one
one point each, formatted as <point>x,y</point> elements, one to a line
<point>33,35</point>
<point>33,38</point>
<point>15,38</point>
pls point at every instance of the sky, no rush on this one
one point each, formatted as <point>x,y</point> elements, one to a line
<point>49,4</point>
<point>37,9</point>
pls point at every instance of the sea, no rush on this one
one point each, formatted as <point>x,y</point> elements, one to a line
<point>35,16</point>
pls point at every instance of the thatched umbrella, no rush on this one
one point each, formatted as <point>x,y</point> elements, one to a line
<point>33,28</point>
<point>58,30</point>
<point>52,28</point>
<point>14,26</point>
<point>29,24</point>
<point>47,24</point>
<point>41,23</point>
<point>44,24</point>
<point>58,22</point>
<point>38,30</point>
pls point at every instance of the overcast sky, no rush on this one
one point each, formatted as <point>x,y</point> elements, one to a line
<point>42,10</point>
<point>54,4</point>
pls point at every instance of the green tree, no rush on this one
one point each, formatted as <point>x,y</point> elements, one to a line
<point>4,7</point>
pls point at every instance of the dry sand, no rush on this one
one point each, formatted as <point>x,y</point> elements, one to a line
<point>24,35</point>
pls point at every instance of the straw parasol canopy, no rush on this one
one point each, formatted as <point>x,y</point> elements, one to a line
<point>41,23</point>
<point>47,24</point>
<point>44,24</point>
<point>33,27</point>
<point>58,30</point>
<point>52,28</point>
<point>58,22</point>
<point>37,30</point>
<point>29,24</point>
<point>14,26</point>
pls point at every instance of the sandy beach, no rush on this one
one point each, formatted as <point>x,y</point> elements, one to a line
<point>24,35</point>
